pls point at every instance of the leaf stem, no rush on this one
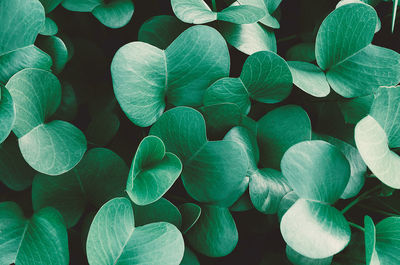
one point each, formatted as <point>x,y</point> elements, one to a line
<point>377,210</point>
<point>360,198</point>
<point>214,6</point>
<point>356,226</point>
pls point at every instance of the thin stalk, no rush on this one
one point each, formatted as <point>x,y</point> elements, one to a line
<point>356,226</point>
<point>388,206</point>
<point>377,210</point>
<point>360,198</point>
<point>214,6</point>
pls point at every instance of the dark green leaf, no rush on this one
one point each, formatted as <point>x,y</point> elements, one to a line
<point>7,113</point>
<point>159,211</point>
<point>190,214</point>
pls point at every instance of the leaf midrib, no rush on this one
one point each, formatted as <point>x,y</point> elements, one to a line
<point>124,245</point>
<point>22,238</point>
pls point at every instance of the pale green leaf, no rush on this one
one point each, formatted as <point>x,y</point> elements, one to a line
<point>114,14</point>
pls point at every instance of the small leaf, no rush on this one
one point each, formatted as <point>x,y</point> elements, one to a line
<point>213,171</point>
<point>215,233</point>
<point>190,215</point>
<point>55,47</point>
<point>269,6</point>
<point>113,228</point>
<point>278,130</point>
<point>42,239</point>
<point>50,27</point>
<point>137,64</point>
<point>7,113</point>
<point>114,14</point>
<point>153,171</point>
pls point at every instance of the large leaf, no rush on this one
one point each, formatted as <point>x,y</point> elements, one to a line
<point>372,143</point>
<point>265,77</point>
<point>143,75</point>
<point>113,14</point>
<point>40,240</point>
<point>198,12</point>
<point>153,171</point>
<point>354,67</point>
<point>382,242</point>
<point>7,113</point>
<point>21,21</point>
<point>213,171</point>
<point>114,239</point>
<point>215,233</point>
<point>315,229</point>
<point>71,192</point>
<point>278,130</point>
<point>49,147</point>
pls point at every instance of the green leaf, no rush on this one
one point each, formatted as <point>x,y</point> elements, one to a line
<point>153,171</point>
<point>40,240</point>
<point>143,75</point>
<point>7,113</point>
<point>215,233</point>
<point>21,22</point>
<point>50,27</point>
<point>354,67</point>
<point>213,171</point>
<point>190,215</point>
<point>159,211</point>
<point>278,130</point>
<point>372,143</point>
<point>395,4</point>
<point>298,259</point>
<point>14,171</point>
<point>50,5</point>
<point>113,229</point>
<point>316,170</point>
<point>198,12</point>
<point>113,14</point>
<point>286,202</point>
<point>49,147</point>
<point>189,258</point>
<point>315,229</point>
<point>384,110</point>
<point>304,51</point>
<point>382,241</point>
<point>269,6</point>
<point>248,38</point>
<point>68,108</point>
<point>55,47</point>
<point>267,188</point>
<point>357,165</point>
<point>355,109</point>
<point>161,31</point>
<point>102,128</point>
<point>309,78</point>
<point>265,77</point>
<point>71,192</point>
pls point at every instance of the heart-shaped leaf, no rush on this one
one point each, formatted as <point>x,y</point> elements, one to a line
<point>372,143</point>
<point>265,77</point>
<point>7,113</point>
<point>318,172</point>
<point>160,31</point>
<point>113,228</point>
<point>113,14</point>
<point>190,215</point>
<point>309,78</point>
<point>382,241</point>
<point>21,22</point>
<point>269,6</point>
<point>198,12</point>
<point>14,171</point>
<point>42,239</point>
<point>215,233</point>
<point>49,147</point>
<point>143,75</point>
<point>71,192</point>
<point>153,171</point>
<point>213,171</point>
<point>354,67</point>
<point>278,130</point>
<point>159,211</point>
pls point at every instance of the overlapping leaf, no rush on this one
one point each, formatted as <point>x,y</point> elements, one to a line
<point>113,14</point>
<point>153,171</point>
<point>7,113</point>
<point>265,77</point>
<point>145,78</point>
<point>269,6</point>
<point>71,192</point>
<point>213,171</point>
<point>40,240</point>
<point>114,239</point>
<point>50,147</point>
<point>158,211</point>
<point>318,172</point>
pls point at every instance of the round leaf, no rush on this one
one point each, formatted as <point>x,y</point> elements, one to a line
<point>113,228</point>
<point>316,170</point>
<point>50,27</point>
<point>153,171</point>
<point>114,14</point>
<point>137,64</point>
<point>55,47</point>
<point>215,233</point>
